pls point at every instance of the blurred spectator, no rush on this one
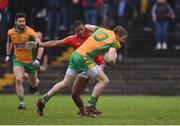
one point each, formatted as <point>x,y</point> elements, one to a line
<point>107,13</point>
<point>145,13</point>
<point>24,6</point>
<point>91,10</point>
<point>177,36</point>
<point>77,12</point>
<point>54,18</point>
<point>177,25</point>
<point>3,17</point>
<point>161,12</point>
<point>121,7</point>
<point>177,10</point>
<point>39,13</point>
<point>125,13</point>
<point>4,20</point>
<point>65,11</point>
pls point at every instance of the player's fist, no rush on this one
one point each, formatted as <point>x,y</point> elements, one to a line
<point>7,59</point>
<point>36,63</point>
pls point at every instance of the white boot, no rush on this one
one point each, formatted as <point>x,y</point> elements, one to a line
<point>164,46</point>
<point>158,46</point>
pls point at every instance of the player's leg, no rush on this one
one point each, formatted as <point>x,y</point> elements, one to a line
<point>19,75</point>
<point>102,82</point>
<point>67,82</point>
<point>77,89</point>
<point>101,67</point>
<point>93,70</point>
<point>33,77</point>
<point>34,83</point>
<point>80,64</point>
<point>31,89</point>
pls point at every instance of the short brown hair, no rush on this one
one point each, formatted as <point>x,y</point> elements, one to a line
<point>20,15</point>
<point>120,31</point>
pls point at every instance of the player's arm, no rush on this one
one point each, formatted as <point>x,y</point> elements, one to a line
<point>8,50</point>
<point>40,52</point>
<point>8,46</point>
<point>52,43</point>
<point>40,49</point>
<point>112,56</point>
<point>91,28</point>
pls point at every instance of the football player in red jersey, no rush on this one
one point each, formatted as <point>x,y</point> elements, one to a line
<point>74,41</point>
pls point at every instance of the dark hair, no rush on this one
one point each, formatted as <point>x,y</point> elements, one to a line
<point>120,31</point>
<point>20,15</point>
<point>77,23</point>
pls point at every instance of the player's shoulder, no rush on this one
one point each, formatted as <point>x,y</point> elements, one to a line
<point>105,31</point>
<point>72,37</point>
<point>29,29</point>
<point>11,30</point>
<point>102,29</point>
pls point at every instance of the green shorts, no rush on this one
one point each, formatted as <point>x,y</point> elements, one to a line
<point>27,66</point>
<point>79,63</point>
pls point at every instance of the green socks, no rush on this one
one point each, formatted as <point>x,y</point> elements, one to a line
<point>91,101</point>
<point>21,99</point>
<point>46,97</point>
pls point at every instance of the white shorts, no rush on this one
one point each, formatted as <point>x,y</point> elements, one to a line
<point>86,74</point>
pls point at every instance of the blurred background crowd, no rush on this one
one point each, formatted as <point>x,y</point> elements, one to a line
<point>54,18</point>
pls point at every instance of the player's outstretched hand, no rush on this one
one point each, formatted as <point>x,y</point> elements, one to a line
<point>7,59</point>
<point>36,63</point>
<point>31,45</point>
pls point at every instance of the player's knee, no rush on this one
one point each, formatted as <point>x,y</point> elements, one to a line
<point>37,81</point>
<point>64,85</point>
<point>105,81</point>
<point>19,81</point>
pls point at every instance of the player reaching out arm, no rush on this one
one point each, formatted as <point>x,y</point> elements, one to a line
<point>102,40</point>
<point>82,32</point>
<point>74,41</point>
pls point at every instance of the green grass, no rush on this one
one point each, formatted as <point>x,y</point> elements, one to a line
<point>117,110</point>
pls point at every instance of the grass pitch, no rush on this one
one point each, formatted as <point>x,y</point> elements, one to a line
<point>117,110</point>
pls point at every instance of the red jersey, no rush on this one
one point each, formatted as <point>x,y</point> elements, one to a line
<point>75,41</point>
